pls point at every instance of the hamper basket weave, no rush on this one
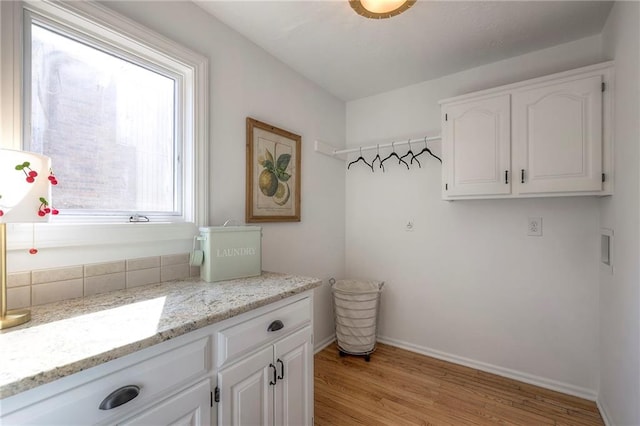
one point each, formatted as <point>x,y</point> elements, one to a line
<point>355,307</point>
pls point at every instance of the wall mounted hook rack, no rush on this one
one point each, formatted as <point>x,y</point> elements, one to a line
<point>341,154</point>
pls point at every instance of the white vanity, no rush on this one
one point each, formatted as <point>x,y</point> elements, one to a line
<point>189,353</point>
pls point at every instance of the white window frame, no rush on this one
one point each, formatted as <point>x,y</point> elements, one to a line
<point>108,27</point>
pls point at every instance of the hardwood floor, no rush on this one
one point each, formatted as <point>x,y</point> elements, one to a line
<point>399,387</point>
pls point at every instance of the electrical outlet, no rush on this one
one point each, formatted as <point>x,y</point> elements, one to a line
<point>534,227</point>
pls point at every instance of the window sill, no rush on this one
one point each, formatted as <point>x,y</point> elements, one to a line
<point>58,235</point>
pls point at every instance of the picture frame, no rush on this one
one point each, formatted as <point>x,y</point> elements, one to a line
<point>273,174</point>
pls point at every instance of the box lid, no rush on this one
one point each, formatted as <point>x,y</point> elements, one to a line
<point>213,229</point>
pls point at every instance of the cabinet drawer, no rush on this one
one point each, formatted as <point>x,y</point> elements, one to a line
<point>189,407</point>
<point>234,341</point>
<point>155,377</point>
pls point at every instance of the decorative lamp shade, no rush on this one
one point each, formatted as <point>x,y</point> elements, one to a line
<point>25,187</point>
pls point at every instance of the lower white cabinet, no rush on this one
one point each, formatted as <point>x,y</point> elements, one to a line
<point>244,391</point>
<point>294,389</point>
<point>109,393</point>
<point>272,386</point>
<point>262,360</point>
<point>190,407</point>
<point>265,367</point>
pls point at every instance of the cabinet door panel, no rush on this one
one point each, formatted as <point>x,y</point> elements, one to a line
<point>558,137</point>
<point>188,408</point>
<point>245,395</point>
<point>294,396</point>
<point>476,147</point>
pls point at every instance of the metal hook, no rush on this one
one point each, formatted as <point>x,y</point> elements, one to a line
<point>378,157</point>
<point>360,158</point>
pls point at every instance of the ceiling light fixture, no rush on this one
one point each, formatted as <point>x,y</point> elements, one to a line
<point>380,9</point>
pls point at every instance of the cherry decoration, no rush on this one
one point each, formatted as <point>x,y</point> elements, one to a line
<point>52,178</point>
<point>26,168</point>
<point>44,207</point>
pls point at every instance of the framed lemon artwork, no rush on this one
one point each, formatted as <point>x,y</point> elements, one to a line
<point>273,174</point>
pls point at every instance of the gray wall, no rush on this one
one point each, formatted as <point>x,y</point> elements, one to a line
<point>247,81</point>
<point>619,390</point>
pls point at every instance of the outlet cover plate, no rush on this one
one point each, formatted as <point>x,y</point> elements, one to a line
<point>534,227</point>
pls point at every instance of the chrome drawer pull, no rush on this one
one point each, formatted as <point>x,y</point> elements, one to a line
<point>119,397</point>
<point>275,326</point>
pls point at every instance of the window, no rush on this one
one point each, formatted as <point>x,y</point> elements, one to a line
<point>118,116</point>
<point>107,123</point>
<point>146,159</point>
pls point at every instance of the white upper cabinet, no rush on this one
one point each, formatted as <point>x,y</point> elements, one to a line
<point>543,137</point>
<point>478,135</point>
<point>557,133</point>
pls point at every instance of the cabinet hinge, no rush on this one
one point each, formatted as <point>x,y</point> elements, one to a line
<point>604,85</point>
<point>603,177</point>
<point>216,395</point>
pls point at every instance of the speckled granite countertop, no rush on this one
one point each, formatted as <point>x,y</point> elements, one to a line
<point>70,336</point>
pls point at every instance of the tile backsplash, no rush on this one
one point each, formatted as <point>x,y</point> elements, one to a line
<point>42,286</point>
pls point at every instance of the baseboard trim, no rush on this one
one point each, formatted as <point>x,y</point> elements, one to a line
<point>324,343</point>
<point>604,412</point>
<point>500,371</point>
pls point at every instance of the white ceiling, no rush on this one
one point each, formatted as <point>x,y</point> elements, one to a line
<point>354,57</point>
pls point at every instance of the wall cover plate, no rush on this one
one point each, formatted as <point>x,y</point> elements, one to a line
<point>606,248</point>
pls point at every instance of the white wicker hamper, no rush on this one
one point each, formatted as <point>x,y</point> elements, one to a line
<point>355,307</point>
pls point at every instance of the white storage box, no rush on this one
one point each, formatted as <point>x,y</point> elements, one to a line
<point>230,252</point>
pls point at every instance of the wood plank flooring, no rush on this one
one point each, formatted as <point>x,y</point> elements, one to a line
<point>399,387</point>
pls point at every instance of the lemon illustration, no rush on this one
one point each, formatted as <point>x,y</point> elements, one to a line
<point>281,197</point>
<point>268,183</point>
